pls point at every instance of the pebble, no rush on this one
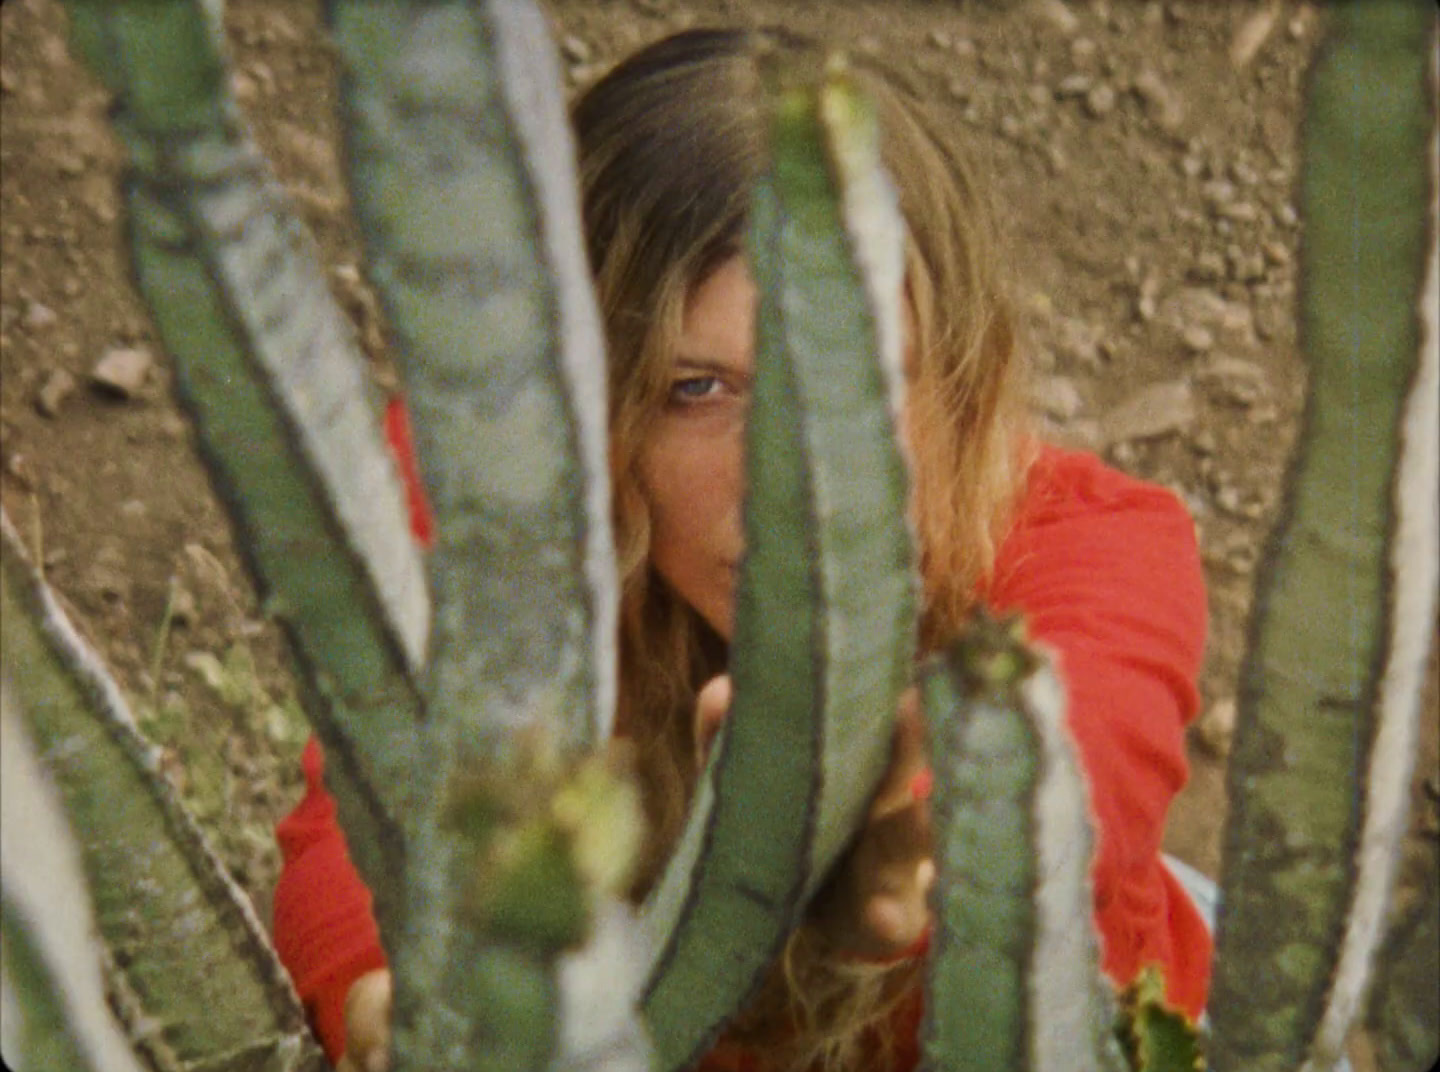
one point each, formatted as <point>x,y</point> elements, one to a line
<point>1057,397</point>
<point>1276,253</point>
<point>1082,49</point>
<point>1078,341</point>
<point>122,371</point>
<point>1100,101</point>
<point>1250,35</point>
<point>1209,267</point>
<point>1010,127</point>
<point>1245,266</point>
<point>1161,102</point>
<point>1145,307</point>
<point>1234,379</point>
<point>38,316</point>
<point>1074,85</point>
<point>183,607</point>
<point>1240,212</point>
<point>1156,410</point>
<point>1286,215</point>
<point>575,49</point>
<point>965,48</point>
<point>940,39</point>
<point>1215,729</point>
<point>1197,339</point>
<point>1217,192</point>
<point>1057,15</point>
<point>58,386</point>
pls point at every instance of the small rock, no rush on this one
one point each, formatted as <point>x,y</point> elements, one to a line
<point>1217,192</point>
<point>940,39</point>
<point>1286,215</point>
<point>1234,380</point>
<point>1245,266</point>
<point>1240,212</point>
<point>1276,253</point>
<point>1082,49</point>
<point>1209,267</point>
<point>133,508</point>
<point>1161,102</point>
<point>1057,397</point>
<point>58,386</point>
<point>1010,127</point>
<point>965,48</point>
<point>1038,95</point>
<point>1197,339</point>
<point>1215,729</point>
<point>1100,101</point>
<point>1057,15</point>
<point>1145,298</point>
<point>1191,166</point>
<point>1244,174</point>
<point>1157,410</point>
<point>183,608</point>
<point>122,371</point>
<point>111,582</point>
<point>1251,35</point>
<point>1078,341</point>
<point>38,317</point>
<point>1074,85</point>
<point>172,426</point>
<point>575,49</point>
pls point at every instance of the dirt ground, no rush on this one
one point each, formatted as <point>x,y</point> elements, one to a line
<point>1143,158</point>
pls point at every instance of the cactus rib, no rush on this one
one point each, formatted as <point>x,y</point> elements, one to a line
<point>461,164</point>
<point>825,609</point>
<point>186,940</point>
<point>1014,979</point>
<point>268,369</point>
<point>1319,770</point>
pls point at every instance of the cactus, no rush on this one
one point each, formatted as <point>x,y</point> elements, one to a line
<point>1014,976</point>
<point>464,732</point>
<point>823,637</point>
<point>1320,773</point>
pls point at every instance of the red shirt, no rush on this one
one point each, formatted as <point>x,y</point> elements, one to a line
<point>1105,568</point>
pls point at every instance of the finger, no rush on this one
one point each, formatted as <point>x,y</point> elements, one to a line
<point>367,1022</point>
<point>897,920</point>
<point>711,706</point>
<point>908,764</point>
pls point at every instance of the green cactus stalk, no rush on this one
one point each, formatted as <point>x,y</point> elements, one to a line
<point>461,163</point>
<point>1320,770</point>
<point>269,371</point>
<point>54,1014</point>
<point>826,604</point>
<point>196,979</point>
<point>1014,977</point>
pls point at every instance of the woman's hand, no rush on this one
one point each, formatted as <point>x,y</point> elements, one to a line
<point>367,1024</point>
<point>875,905</point>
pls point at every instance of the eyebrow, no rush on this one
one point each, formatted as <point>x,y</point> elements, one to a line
<point>706,364</point>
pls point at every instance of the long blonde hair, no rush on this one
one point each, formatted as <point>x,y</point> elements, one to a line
<point>670,144</point>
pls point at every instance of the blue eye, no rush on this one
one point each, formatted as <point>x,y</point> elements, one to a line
<point>694,388</point>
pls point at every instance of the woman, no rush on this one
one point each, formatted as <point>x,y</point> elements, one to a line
<point>1105,568</point>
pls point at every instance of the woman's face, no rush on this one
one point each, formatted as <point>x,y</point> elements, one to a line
<point>691,468</point>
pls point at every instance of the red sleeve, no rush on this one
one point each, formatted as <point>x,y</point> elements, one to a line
<point>1107,571</point>
<point>325,931</point>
